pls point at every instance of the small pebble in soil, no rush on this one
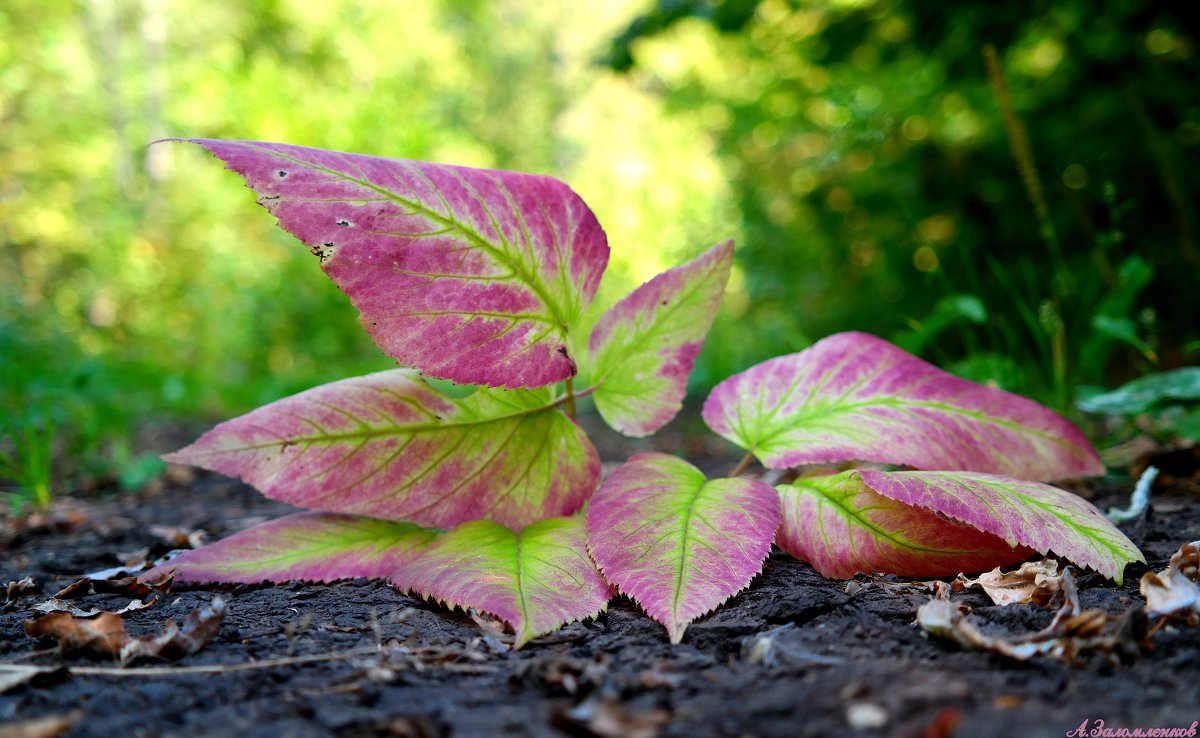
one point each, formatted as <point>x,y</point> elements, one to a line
<point>866,716</point>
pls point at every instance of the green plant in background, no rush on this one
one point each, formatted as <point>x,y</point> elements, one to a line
<point>27,464</point>
<point>1164,404</point>
<point>874,141</point>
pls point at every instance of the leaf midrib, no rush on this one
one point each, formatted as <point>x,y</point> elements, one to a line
<point>850,514</point>
<point>826,411</point>
<point>377,433</point>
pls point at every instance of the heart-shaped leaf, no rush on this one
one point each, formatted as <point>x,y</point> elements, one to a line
<point>644,347</point>
<point>471,275</point>
<point>1028,514</point>
<point>855,396</point>
<point>842,527</point>
<point>310,546</point>
<point>536,580</point>
<point>676,542</point>
<point>389,446</point>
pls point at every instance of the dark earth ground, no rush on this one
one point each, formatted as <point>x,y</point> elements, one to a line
<point>794,655</point>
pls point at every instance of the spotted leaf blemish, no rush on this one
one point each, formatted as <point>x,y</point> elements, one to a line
<point>494,268</point>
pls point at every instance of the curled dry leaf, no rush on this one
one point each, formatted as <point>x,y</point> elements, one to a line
<point>133,586</point>
<point>48,726</point>
<point>175,642</point>
<point>1176,589</point>
<point>605,717</point>
<point>1034,581</point>
<point>19,588</point>
<point>55,605</point>
<point>105,634</point>
<point>1072,635</point>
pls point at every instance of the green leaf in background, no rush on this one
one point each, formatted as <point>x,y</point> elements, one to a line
<point>1143,393</point>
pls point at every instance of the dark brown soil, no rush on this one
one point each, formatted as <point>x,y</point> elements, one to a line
<point>794,655</point>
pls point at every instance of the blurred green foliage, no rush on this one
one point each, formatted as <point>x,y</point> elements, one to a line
<point>1036,228</point>
<point>144,283</point>
<point>854,148</point>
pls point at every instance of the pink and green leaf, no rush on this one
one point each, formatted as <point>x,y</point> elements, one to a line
<point>842,527</point>
<point>1029,514</point>
<point>387,445</point>
<point>471,275</point>
<point>855,396</point>
<point>676,542</point>
<point>536,580</point>
<point>311,547</point>
<point>645,346</point>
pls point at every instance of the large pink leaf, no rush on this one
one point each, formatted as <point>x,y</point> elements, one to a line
<point>855,396</point>
<point>535,580</point>
<point>677,543</point>
<point>312,547</point>
<point>1038,516</point>
<point>842,527</point>
<point>467,274</point>
<point>644,347</point>
<point>390,446</point>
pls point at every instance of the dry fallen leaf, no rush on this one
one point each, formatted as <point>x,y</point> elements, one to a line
<point>131,586</point>
<point>176,537</point>
<point>1035,581</point>
<point>50,726</point>
<point>25,585</point>
<point>607,718</point>
<point>175,642</point>
<point>1175,590</point>
<point>61,606</point>
<point>1072,634</point>
<point>105,635</point>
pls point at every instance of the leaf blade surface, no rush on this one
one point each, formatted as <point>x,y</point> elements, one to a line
<point>855,396</point>
<point>842,527</point>
<point>1021,513</point>
<point>389,446</point>
<point>644,347</point>
<point>676,542</point>
<point>309,546</point>
<point>471,275</point>
<point>536,580</point>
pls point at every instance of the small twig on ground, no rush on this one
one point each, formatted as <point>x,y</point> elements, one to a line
<point>1138,502</point>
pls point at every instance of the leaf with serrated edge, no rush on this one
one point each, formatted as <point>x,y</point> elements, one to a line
<point>309,547</point>
<point>536,581</point>
<point>855,396</point>
<point>472,275</point>
<point>1038,516</point>
<point>842,527</point>
<point>676,542</point>
<point>644,347</point>
<point>387,445</point>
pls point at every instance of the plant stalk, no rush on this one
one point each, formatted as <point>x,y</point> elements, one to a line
<point>570,397</point>
<point>743,464</point>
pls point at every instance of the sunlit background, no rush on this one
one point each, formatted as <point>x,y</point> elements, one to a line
<point>1028,221</point>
